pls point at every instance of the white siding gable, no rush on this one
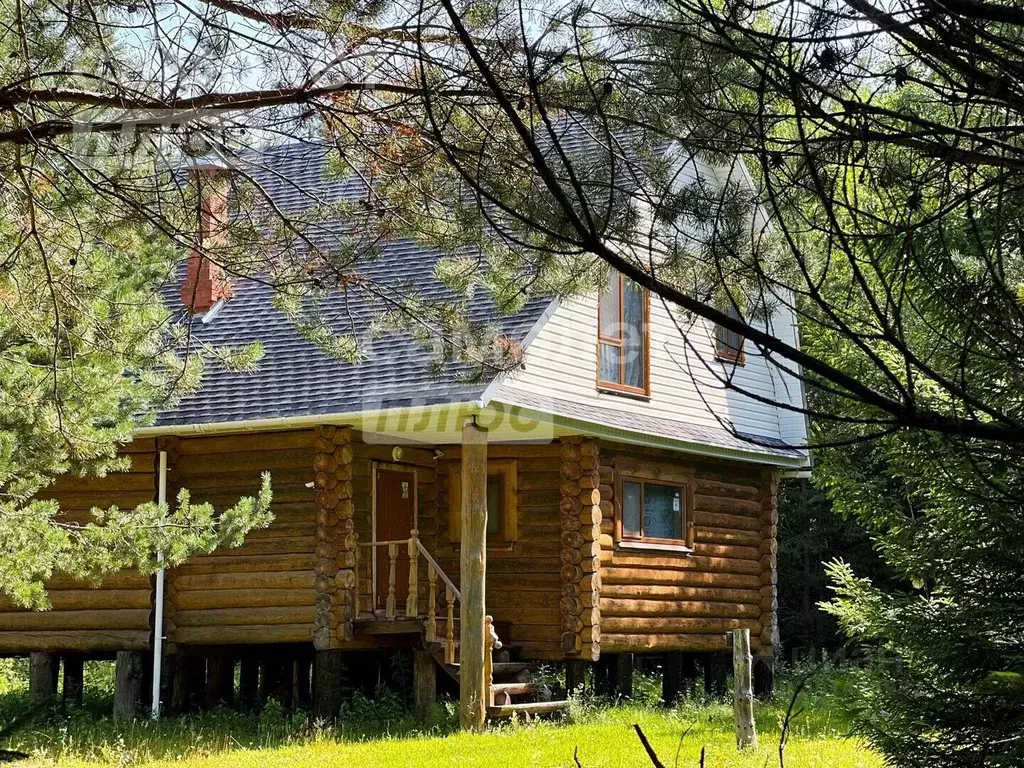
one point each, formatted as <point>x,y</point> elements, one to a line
<point>687,383</point>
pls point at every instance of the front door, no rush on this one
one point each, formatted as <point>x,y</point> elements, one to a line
<point>396,517</point>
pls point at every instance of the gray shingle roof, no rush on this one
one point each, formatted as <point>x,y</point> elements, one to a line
<point>295,378</point>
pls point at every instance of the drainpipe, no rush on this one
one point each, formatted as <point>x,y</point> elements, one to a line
<point>158,621</point>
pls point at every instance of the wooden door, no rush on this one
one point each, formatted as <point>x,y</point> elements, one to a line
<point>396,517</point>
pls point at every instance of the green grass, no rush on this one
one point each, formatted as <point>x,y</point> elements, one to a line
<point>379,734</point>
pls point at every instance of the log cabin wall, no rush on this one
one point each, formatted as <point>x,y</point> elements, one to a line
<point>262,591</point>
<point>665,601</point>
<point>524,585</point>
<point>86,618</point>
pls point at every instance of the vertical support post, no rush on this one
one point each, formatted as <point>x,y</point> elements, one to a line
<point>128,684</point>
<point>764,677</point>
<point>473,568</point>
<point>303,668</point>
<point>424,673</point>
<point>248,683</point>
<point>624,675</point>
<point>220,680</point>
<point>74,683</point>
<point>671,677</point>
<point>743,694</point>
<point>412,601</point>
<point>575,676</point>
<point>158,597</point>
<point>327,670</point>
<point>43,671</point>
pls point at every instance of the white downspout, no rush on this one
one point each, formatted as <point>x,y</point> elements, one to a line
<point>158,620</point>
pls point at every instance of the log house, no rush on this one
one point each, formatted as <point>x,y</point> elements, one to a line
<point>604,500</point>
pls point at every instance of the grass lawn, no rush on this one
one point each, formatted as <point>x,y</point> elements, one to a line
<point>377,734</point>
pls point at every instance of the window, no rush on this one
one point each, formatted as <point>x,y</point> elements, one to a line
<point>502,518</point>
<point>622,337</point>
<point>653,511</point>
<point>729,344</point>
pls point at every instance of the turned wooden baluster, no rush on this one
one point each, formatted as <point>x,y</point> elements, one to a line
<point>493,644</point>
<point>449,641</point>
<point>412,601</point>
<point>389,607</point>
<point>431,628</point>
<point>355,570</point>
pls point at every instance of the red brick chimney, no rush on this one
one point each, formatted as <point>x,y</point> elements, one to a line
<point>205,283</point>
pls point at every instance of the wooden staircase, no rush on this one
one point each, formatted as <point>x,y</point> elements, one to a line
<point>508,689</point>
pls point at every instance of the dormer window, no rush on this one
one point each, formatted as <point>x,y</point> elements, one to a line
<point>729,344</point>
<point>622,338</point>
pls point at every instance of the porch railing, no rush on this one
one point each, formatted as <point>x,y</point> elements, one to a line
<point>415,549</point>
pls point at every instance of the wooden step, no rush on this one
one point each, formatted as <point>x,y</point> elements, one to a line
<point>514,689</point>
<point>532,708</point>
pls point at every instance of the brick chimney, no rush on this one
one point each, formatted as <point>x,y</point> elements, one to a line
<point>205,283</point>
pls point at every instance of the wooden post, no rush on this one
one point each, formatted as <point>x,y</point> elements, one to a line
<point>671,677</point>
<point>764,677</point>
<point>248,683</point>
<point>189,688</point>
<point>220,680</point>
<point>327,669</point>
<point>449,629</point>
<point>624,675</point>
<point>128,684</point>
<point>74,668</point>
<point>473,570</point>
<point>302,682</point>
<point>716,671</point>
<point>424,674</point>
<point>43,671</point>
<point>575,676</point>
<point>743,694</point>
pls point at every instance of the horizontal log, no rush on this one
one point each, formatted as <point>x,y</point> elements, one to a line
<point>243,598</point>
<point>614,574</point>
<point>256,634</point>
<point>115,481</point>
<point>127,618</point>
<point>281,545</point>
<point>235,481</point>
<point>725,536</point>
<point>511,451</point>
<point>638,643</point>
<point>674,625</point>
<point>272,580</point>
<point>724,505</point>
<point>626,607</point>
<point>249,441</point>
<point>84,641</point>
<point>707,487</point>
<point>728,522</point>
<point>683,563</point>
<point>139,445</point>
<point>672,592</point>
<point>231,617</point>
<point>76,506</point>
<point>118,580</point>
<point>727,550</point>
<point>250,563</point>
<point>89,599</point>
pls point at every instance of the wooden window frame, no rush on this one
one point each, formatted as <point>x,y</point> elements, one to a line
<point>654,474</point>
<point>507,469</point>
<point>725,352</point>
<point>620,342</point>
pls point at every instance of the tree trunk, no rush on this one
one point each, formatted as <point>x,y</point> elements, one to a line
<point>473,568</point>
